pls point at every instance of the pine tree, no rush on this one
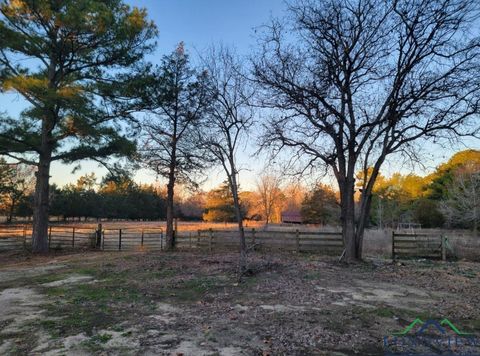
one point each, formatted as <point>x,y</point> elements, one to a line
<point>177,100</point>
<point>76,57</point>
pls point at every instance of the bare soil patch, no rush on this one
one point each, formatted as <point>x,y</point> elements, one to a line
<point>188,303</point>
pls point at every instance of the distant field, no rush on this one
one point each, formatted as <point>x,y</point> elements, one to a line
<point>182,225</point>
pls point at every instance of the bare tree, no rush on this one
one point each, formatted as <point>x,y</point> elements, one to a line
<point>230,119</point>
<point>356,81</point>
<point>271,196</point>
<point>177,100</point>
<point>295,193</point>
<point>463,202</point>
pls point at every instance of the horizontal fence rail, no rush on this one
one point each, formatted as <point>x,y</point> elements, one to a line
<point>13,237</point>
<point>150,239</point>
<point>62,237</point>
<point>153,239</point>
<point>300,241</point>
<point>146,237</point>
<point>418,246</point>
<point>59,237</point>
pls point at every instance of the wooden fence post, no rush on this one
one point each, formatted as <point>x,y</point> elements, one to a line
<point>393,245</point>
<point>444,248</point>
<point>98,234</point>
<point>161,239</point>
<point>297,240</point>
<point>190,239</point>
<point>49,236</point>
<point>253,239</point>
<point>142,238</point>
<point>211,240</point>
<point>73,237</point>
<point>119,239</point>
<point>198,239</point>
<point>24,237</point>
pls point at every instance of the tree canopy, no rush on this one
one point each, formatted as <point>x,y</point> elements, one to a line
<point>353,82</point>
<point>71,62</point>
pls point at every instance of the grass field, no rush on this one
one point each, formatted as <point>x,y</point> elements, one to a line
<point>191,303</point>
<point>182,225</point>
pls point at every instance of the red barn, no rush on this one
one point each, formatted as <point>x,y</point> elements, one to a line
<point>291,217</point>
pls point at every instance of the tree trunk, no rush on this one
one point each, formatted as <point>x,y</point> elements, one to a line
<point>348,220</point>
<point>10,213</point>
<point>475,221</point>
<point>353,228</point>
<point>170,239</point>
<point>238,214</point>
<point>362,222</point>
<point>40,210</point>
<point>349,234</point>
<point>41,198</point>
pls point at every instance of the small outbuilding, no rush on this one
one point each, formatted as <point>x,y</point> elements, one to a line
<point>291,217</point>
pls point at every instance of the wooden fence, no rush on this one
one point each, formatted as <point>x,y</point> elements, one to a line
<point>71,237</point>
<point>153,239</point>
<point>418,246</point>
<point>330,243</point>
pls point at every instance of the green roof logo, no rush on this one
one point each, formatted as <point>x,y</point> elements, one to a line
<point>425,325</point>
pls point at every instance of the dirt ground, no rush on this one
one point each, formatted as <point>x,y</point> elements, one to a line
<point>188,303</point>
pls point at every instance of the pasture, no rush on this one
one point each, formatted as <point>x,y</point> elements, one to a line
<point>191,303</point>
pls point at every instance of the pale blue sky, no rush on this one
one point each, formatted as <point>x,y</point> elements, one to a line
<point>200,23</point>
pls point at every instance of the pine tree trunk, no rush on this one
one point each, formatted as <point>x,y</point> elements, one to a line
<point>40,210</point>
<point>10,213</point>
<point>41,198</point>
<point>170,239</point>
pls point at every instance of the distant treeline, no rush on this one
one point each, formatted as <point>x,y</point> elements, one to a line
<point>448,197</point>
<point>134,202</point>
<point>114,198</point>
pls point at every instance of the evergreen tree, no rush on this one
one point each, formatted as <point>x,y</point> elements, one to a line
<point>219,205</point>
<point>177,100</point>
<point>76,57</point>
<point>320,206</point>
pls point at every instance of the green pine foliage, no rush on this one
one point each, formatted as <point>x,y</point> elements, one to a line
<point>72,62</point>
<point>219,205</point>
<point>320,206</point>
<point>75,56</point>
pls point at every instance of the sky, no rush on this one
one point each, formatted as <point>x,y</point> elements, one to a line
<point>199,24</point>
